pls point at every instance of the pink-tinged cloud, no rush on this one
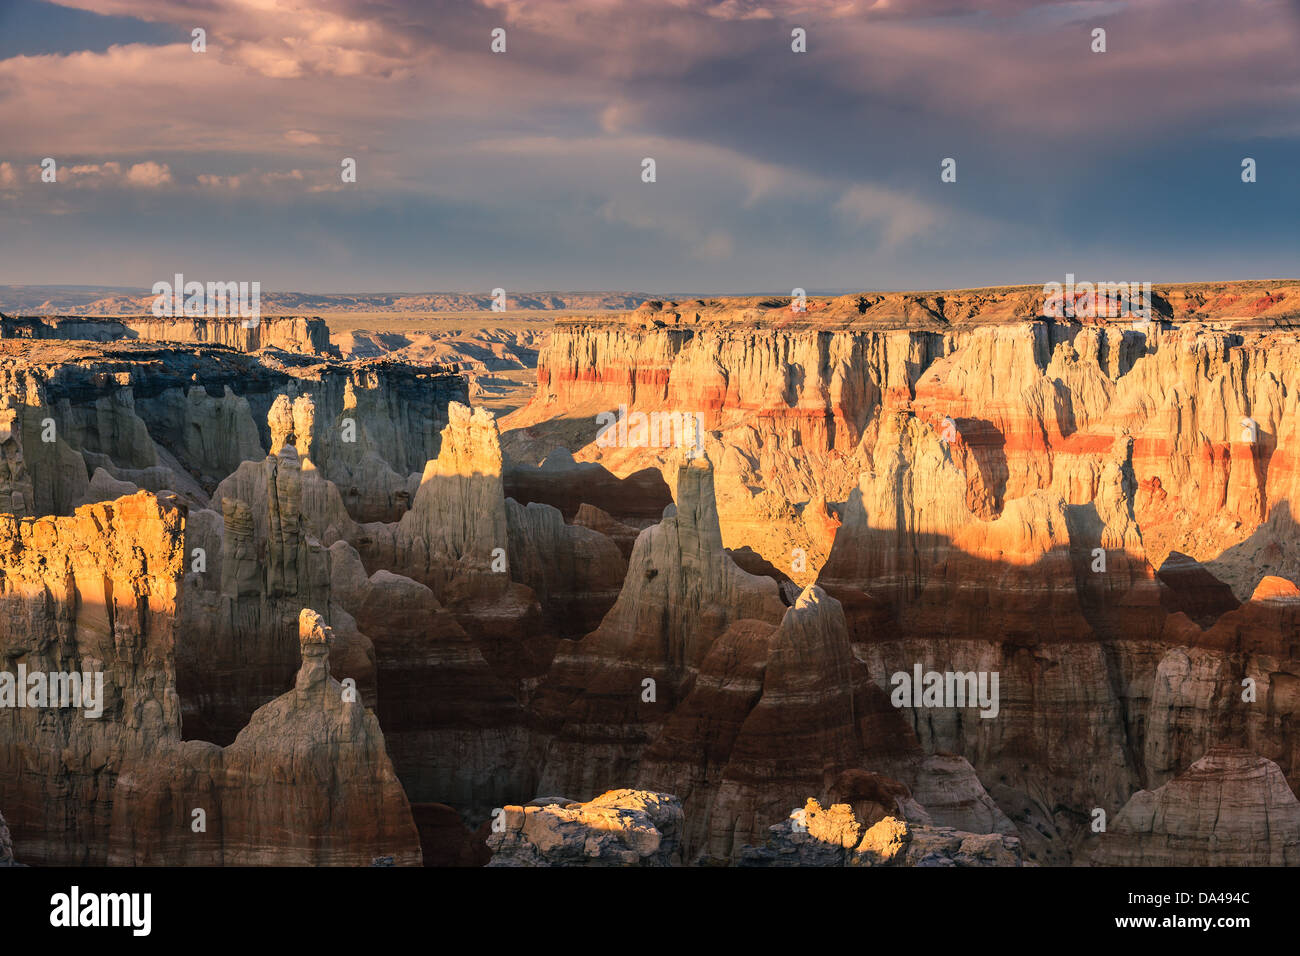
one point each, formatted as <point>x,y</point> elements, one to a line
<point>149,175</point>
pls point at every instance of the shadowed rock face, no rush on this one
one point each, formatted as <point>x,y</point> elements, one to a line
<point>6,845</point>
<point>95,592</point>
<point>1230,808</point>
<point>307,783</point>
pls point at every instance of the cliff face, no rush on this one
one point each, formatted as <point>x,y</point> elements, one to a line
<point>97,594</point>
<point>794,416</point>
<point>182,420</point>
<point>299,334</point>
<point>93,594</point>
<point>1184,822</point>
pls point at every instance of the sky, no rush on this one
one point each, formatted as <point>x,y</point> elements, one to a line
<point>523,169</point>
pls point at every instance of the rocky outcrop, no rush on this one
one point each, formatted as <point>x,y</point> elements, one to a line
<point>813,836</point>
<point>618,828</point>
<point>1230,808</point>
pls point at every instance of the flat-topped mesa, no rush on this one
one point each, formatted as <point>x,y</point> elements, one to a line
<point>1245,303</point>
<point>293,333</point>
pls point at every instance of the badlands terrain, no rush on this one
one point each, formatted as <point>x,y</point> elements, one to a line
<point>384,589</point>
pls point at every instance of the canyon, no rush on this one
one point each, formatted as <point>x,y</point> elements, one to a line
<point>347,615</point>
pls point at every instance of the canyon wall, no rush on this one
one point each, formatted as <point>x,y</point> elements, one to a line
<point>307,336</point>
<point>1100,513</point>
<point>316,602</point>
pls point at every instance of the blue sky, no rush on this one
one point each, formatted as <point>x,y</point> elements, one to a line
<point>522,170</point>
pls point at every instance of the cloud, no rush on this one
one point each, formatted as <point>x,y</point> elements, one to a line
<point>149,175</point>
<point>899,217</point>
<point>300,137</point>
<point>825,157</point>
<point>209,181</point>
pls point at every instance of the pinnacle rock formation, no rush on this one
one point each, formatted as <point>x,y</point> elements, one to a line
<point>457,517</point>
<point>680,594</point>
<point>314,738</point>
<point>307,783</point>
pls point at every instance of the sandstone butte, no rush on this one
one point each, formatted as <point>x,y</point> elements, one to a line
<point>330,585</point>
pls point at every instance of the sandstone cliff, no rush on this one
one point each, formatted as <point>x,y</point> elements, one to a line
<point>1230,808</point>
<point>307,336</point>
<point>98,593</point>
<point>1078,507</point>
